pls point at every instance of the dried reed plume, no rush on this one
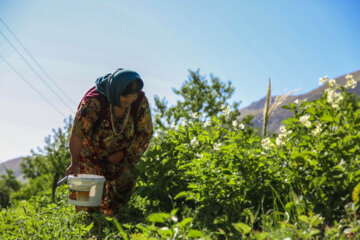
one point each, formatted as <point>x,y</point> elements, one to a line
<point>268,110</point>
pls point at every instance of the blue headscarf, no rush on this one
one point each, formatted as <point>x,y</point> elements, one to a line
<point>113,85</point>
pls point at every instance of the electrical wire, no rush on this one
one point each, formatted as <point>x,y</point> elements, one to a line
<point>37,91</point>
<point>27,63</point>
<point>37,63</point>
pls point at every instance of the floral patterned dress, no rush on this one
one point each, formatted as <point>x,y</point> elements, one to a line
<point>101,142</point>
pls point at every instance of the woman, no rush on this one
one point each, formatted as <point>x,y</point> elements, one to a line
<point>112,128</point>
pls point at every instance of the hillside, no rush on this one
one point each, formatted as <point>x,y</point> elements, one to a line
<point>13,164</point>
<point>256,108</point>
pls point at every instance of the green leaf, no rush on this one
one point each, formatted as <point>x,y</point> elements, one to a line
<point>158,217</point>
<point>185,221</point>
<point>311,110</point>
<point>296,156</point>
<point>165,233</point>
<point>173,212</point>
<point>355,193</point>
<point>242,227</point>
<point>120,229</point>
<point>88,228</point>
<point>142,227</point>
<point>180,195</point>
<point>261,236</point>
<point>326,118</point>
<point>195,233</point>
<point>286,107</point>
<point>288,206</point>
<point>231,182</point>
<point>304,218</point>
<point>192,186</point>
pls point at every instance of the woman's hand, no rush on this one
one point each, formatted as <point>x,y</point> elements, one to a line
<point>116,157</point>
<point>72,169</point>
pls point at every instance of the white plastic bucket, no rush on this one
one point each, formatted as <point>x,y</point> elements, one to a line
<point>86,189</point>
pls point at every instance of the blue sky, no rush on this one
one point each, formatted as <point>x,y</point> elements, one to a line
<point>246,42</point>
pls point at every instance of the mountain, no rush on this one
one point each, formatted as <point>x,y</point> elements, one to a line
<point>13,164</point>
<point>256,108</point>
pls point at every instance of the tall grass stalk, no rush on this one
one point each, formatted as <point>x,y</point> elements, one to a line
<point>270,108</point>
<point>266,114</point>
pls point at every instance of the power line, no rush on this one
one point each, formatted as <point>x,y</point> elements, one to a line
<point>37,63</point>
<point>37,91</point>
<point>22,57</point>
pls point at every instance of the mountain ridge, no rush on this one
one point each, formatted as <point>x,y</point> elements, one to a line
<point>14,165</point>
<point>256,108</point>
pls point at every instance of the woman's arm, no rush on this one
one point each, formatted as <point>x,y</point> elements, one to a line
<point>75,145</point>
<point>143,132</point>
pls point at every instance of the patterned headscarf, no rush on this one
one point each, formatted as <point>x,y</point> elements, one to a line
<point>113,85</point>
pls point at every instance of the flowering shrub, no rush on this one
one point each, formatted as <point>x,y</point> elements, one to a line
<point>220,172</point>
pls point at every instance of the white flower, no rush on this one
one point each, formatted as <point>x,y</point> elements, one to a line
<point>280,140</point>
<point>333,98</point>
<point>349,76</point>
<point>183,123</point>
<point>234,124</point>
<point>194,142</point>
<point>296,101</point>
<point>287,238</point>
<point>282,129</point>
<point>186,145</point>
<point>196,115</point>
<point>304,118</point>
<point>307,124</point>
<point>330,95</point>
<point>174,218</point>
<point>226,110</point>
<point>265,141</point>
<point>267,144</point>
<point>332,82</point>
<point>241,126</point>
<point>199,155</point>
<point>335,106</point>
<point>217,146</point>
<point>323,80</point>
<point>351,83</point>
<point>207,123</point>
<point>338,97</point>
<point>317,130</point>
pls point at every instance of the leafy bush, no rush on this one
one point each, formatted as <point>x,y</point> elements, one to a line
<point>8,185</point>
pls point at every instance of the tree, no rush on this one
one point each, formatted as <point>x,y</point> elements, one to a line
<point>200,100</point>
<point>53,157</point>
<point>8,184</point>
<point>41,166</point>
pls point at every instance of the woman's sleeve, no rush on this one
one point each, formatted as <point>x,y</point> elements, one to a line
<point>86,116</point>
<point>143,130</point>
